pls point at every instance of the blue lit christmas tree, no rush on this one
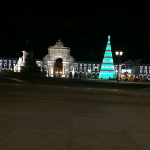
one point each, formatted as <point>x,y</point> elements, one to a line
<point>107,68</point>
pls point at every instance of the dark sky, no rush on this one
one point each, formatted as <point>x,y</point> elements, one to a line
<point>82,26</point>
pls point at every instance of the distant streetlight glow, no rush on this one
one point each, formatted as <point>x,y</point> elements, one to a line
<point>119,53</point>
<point>116,53</point>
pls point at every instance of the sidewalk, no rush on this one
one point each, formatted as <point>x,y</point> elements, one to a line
<point>37,125</point>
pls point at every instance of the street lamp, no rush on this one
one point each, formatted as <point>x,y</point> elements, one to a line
<point>118,54</point>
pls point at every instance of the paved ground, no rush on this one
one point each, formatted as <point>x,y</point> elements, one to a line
<point>55,114</point>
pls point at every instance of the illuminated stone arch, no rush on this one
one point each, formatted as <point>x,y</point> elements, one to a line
<point>58,58</point>
<point>55,52</point>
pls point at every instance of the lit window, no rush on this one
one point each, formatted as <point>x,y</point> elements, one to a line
<point>141,67</point>
<point>5,65</point>
<point>141,71</point>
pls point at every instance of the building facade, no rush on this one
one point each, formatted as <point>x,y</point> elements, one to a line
<point>134,70</point>
<point>7,64</point>
<point>59,63</point>
<point>68,67</point>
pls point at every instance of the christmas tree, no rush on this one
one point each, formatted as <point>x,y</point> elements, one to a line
<point>107,68</point>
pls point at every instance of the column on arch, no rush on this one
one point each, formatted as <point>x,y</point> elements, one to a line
<point>51,68</point>
<point>63,70</point>
<point>67,70</point>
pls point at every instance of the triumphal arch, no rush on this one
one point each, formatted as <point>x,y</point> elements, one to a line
<point>55,52</point>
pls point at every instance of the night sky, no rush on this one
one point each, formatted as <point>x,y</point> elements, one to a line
<point>83,26</point>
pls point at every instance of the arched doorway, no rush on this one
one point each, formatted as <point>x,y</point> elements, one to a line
<point>80,75</point>
<point>76,75</point>
<point>58,68</point>
<point>149,78</point>
<point>140,77</point>
<point>89,75</point>
<point>145,78</point>
<point>70,74</point>
<point>85,75</point>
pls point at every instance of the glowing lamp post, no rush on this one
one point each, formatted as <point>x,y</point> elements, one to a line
<point>118,54</point>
